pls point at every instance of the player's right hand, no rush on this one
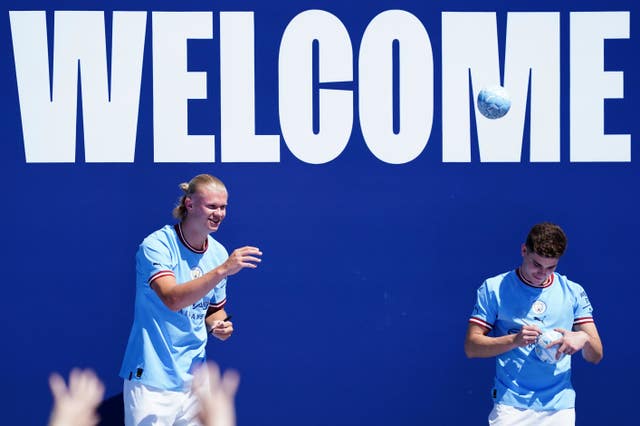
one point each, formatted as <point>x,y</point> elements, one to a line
<point>528,335</point>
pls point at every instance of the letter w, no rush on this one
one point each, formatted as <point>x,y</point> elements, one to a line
<point>79,44</point>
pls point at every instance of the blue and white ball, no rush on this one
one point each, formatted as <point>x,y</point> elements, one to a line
<point>545,354</point>
<point>494,102</point>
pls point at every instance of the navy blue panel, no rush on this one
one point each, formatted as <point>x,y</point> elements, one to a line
<point>357,314</point>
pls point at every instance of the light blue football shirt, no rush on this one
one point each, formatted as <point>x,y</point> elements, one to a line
<point>504,304</point>
<point>164,346</point>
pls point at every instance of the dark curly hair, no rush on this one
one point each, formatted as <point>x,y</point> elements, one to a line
<point>547,239</point>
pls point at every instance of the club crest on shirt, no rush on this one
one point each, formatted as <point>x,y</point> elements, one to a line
<point>196,273</point>
<point>538,307</point>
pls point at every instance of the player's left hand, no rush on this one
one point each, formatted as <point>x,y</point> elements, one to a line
<point>222,329</point>
<point>570,343</point>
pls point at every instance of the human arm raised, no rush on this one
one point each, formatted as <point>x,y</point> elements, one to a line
<point>176,297</point>
<point>216,393</point>
<point>77,403</point>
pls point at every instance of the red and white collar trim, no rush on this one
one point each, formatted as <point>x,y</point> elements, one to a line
<point>545,284</point>
<point>183,240</point>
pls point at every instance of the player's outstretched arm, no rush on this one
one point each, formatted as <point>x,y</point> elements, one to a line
<point>176,297</point>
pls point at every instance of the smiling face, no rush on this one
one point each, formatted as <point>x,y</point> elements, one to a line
<point>535,268</point>
<point>206,209</point>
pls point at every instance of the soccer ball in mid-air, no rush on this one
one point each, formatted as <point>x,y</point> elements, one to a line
<point>494,102</point>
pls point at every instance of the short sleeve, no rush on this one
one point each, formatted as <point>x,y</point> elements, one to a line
<point>484,311</point>
<point>582,308</point>
<point>219,297</point>
<point>153,260</point>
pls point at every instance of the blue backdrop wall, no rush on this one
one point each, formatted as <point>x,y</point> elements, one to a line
<point>347,135</point>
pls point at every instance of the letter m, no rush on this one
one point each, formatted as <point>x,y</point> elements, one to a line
<point>470,58</point>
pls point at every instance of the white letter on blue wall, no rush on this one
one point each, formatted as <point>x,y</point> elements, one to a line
<point>295,69</point>
<point>375,84</point>
<point>470,45</point>
<point>590,85</point>
<point>239,142</point>
<point>173,86</point>
<point>533,46</point>
<point>110,120</point>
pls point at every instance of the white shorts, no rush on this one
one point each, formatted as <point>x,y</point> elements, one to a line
<point>506,415</point>
<point>148,406</point>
